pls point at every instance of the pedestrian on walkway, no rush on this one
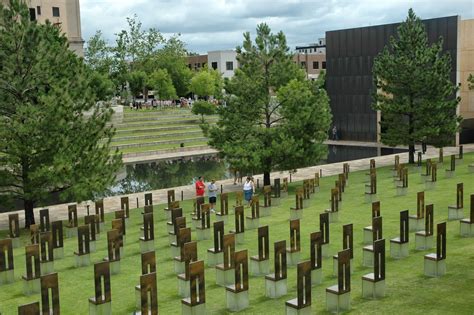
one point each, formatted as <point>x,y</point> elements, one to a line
<point>200,187</point>
<point>212,189</point>
<point>334,133</point>
<point>249,189</point>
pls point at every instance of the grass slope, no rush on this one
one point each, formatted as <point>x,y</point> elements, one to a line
<point>408,290</point>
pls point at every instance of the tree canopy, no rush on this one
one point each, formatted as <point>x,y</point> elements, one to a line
<point>273,118</point>
<point>54,137</point>
<point>414,91</point>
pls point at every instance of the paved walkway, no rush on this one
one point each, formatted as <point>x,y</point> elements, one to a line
<point>59,212</point>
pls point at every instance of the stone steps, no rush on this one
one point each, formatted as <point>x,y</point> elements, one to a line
<point>150,136</point>
<point>157,143</point>
<point>193,121</point>
<point>158,129</point>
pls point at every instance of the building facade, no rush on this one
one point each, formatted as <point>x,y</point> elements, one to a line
<point>224,61</point>
<point>66,14</point>
<point>313,64</point>
<point>350,57</point>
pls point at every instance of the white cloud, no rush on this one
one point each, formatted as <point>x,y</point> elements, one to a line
<point>219,24</point>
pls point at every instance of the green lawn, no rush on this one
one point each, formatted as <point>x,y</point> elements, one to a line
<point>163,147</point>
<point>163,137</point>
<point>408,290</point>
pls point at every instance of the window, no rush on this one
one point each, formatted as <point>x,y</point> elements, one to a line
<point>229,65</point>
<point>32,14</point>
<point>324,64</point>
<point>38,10</point>
<point>189,65</point>
<point>303,64</point>
<point>214,65</point>
<point>199,65</point>
<point>56,12</point>
<point>315,64</point>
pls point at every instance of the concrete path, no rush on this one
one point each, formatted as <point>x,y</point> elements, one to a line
<point>59,212</point>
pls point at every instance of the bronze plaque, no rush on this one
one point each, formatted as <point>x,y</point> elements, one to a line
<point>32,257</point>
<point>34,234</point>
<point>229,250</point>
<point>344,271</point>
<point>190,255</point>
<point>299,195</point>
<point>6,255</point>
<point>83,240</point>
<point>44,220</point>
<point>14,225</point>
<point>434,172</point>
<point>276,188</point>
<point>280,260</point>
<point>239,197</point>
<point>338,186</point>
<point>218,236</point>
<point>99,210</point>
<point>342,182</point>
<point>379,260</point>
<point>428,167</point>
<point>148,209</point>
<point>114,243</point>
<point>303,284</point>
<point>176,213</point>
<point>239,219</point>
<point>170,197</point>
<point>348,238</point>
<point>441,155</point>
<point>49,283</point>
<point>117,224</point>
<point>205,216</point>
<point>149,199</point>
<point>148,262</point>
<point>316,179</point>
<point>377,228</point>
<point>397,162</point>
<point>375,209</point>
<point>148,227</point>
<point>372,164</point>
<point>453,163</point>
<point>197,284</point>
<point>241,267</point>
<point>93,224</point>
<point>420,205</point>
<point>121,215</point>
<point>102,275</point>
<point>72,215</point>
<point>334,200</point>
<point>179,223</point>
<point>306,189</point>
<point>198,202</point>
<point>29,309</point>
<point>324,227</point>
<point>295,245</point>
<point>284,187</point>
<point>224,204</point>
<point>373,183</point>
<point>460,196</point>
<point>418,162</point>
<point>46,246</point>
<point>125,205</point>
<point>441,241</point>
<point>263,243</point>
<point>255,207</point>
<point>346,169</point>
<point>184,236</point>
<point>429,220</point>
<point>404,227</point>
<point>148,294</point>
<point>316,242</point>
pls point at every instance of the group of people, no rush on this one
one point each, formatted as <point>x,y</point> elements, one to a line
<point>248,187</point>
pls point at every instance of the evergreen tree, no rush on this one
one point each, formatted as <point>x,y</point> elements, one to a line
<point>274,118</point>
<point>54,138</point>
<point>414,92</point>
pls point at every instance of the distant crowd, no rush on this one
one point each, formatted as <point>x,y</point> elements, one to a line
<point>160,104</point>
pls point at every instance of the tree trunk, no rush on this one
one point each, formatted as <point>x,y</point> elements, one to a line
<point>266,178</point>
<point>29,215</point>
<point>411,153</point>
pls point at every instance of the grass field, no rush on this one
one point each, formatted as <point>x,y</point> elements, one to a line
<point>408,291</point>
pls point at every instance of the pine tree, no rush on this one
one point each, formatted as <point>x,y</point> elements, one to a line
<point>274,118</point>
<point>414,91</point>
<point>54,138</point>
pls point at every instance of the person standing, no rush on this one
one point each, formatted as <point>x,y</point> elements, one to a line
<point>212,189</point>
<point>200,187</point>
<point>249,189</point>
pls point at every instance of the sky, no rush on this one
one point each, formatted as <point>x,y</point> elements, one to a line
<point>207,25</point>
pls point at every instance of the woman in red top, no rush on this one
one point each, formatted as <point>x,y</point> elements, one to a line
<point>200,187</point>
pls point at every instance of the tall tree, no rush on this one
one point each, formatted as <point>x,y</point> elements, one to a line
<point>274,119</point>
<point>413,89</point>
<point>54,138</point>
<point>203,84</point>
<point>98,54</point>
<point>160,81</point>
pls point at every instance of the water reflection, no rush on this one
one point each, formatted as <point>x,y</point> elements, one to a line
<point>165,174</point>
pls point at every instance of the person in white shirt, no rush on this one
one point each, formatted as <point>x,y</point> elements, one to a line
<point>212,189</point>
<point>249,189</point>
